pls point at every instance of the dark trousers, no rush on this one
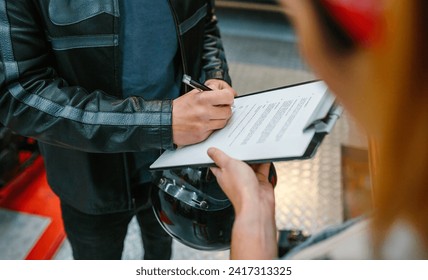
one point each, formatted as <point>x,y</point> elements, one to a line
<point>101,237</point>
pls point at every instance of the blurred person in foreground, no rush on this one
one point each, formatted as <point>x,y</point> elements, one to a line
<point>373,56</point>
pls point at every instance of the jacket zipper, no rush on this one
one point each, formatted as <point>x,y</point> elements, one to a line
<point>131,199</point>
<point>116,30</point>
<point>180,43</point>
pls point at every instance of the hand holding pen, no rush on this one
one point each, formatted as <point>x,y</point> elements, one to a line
<point>197,85</point>
<point>196,114</point>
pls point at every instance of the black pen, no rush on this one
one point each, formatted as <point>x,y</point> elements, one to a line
<point>197,85</point>
<point>194,84</point>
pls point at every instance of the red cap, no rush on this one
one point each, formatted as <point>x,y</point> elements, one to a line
<point>361,19</point>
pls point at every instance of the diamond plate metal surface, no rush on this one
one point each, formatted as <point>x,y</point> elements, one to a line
<point>309,192</point>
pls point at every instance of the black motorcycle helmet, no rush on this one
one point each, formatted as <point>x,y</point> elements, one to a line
<point>193,209</point>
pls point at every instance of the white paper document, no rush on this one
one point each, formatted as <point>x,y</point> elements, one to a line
<point>267,126</point>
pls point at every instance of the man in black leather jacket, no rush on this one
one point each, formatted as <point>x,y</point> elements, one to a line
<point>63,81</point>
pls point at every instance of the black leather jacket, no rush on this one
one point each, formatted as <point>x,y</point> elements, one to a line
<point>60,84</point>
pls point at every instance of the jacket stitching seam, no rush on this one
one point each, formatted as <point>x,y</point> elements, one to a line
<point>10,66</point>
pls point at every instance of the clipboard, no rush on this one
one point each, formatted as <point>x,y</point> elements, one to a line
<point>300,116</point>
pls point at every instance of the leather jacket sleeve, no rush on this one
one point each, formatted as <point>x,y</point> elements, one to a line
<point>36,102</point>
<point>214,58</point>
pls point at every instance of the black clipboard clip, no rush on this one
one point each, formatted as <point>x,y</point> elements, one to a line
<point>326,124</point>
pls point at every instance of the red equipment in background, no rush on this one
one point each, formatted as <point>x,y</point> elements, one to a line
<point>24,189</point>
